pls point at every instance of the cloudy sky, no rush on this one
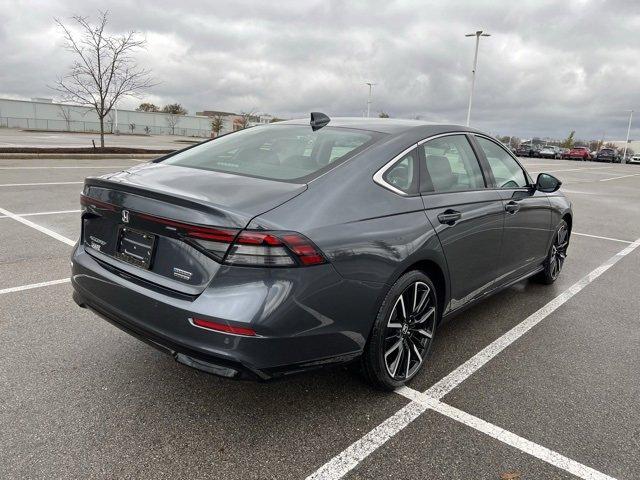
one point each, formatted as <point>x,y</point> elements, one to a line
<point>548,68</point>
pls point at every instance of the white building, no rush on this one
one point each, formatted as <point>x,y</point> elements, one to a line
<point>46,115</point>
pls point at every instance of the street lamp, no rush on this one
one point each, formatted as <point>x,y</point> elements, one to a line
<point>478,34</point>
<point>369,98</point>
<point>626,144</point>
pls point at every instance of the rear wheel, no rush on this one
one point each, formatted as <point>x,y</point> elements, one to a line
<point>402,333</point>
<point>556,256</point>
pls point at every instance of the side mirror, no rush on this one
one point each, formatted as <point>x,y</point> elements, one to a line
<point>547,183</point>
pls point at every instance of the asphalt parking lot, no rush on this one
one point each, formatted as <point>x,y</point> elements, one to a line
<point>14,137</point>
<point>539,380</point>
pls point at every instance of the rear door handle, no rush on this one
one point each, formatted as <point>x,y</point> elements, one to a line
<point>512,207</point>
<point>449,217</point>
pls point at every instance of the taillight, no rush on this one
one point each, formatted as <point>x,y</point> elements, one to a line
<point>233,246</point>
<point>86,201</point>
<point>265,249</point>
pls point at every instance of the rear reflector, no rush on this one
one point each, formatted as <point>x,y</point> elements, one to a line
<point>220,327</point>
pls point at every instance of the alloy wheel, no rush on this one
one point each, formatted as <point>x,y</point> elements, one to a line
<point>409,332</point>
<point>559,251</point>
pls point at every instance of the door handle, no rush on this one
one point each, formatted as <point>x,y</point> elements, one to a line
<point>449,217</point>
<point>512,207</point>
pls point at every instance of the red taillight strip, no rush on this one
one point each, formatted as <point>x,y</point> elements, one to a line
<point>220,327</point>
<point>303,249</point>
<point>248,237</point>
<point>306,252</point>
<point>85,201</point>
<point>196,231</point>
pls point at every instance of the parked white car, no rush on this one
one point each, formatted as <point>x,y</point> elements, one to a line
<point>550,151</point>
<point>635,158</point>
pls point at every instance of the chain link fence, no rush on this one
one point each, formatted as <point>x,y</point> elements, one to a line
<point>94,127</point>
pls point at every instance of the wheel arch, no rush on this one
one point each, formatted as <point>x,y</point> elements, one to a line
<point>438,276</point>
<point>567,217</point>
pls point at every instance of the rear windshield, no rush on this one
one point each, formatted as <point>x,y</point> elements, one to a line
<point>277,152</point>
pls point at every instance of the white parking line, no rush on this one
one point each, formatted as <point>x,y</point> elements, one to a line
<point>575,169</point>
<point>40,228</point>
<point>468,368</point>
<point>57,212</point>
<point>602,238</point>
<point>623,176</point>
<point>65,167</point>
<point>538,451</point>
<point>348,459</point>
<point>34,285</point>
<point>38,184</point>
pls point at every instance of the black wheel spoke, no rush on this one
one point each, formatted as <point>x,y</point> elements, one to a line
<point>409,331</point>
<point>558,251</point>
<point>425,316</point>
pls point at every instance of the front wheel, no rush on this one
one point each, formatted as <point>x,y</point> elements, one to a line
<point>556,255</point>
<point>402,333</point>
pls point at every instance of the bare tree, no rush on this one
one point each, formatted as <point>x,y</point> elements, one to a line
<point>217,124</point>
<point>65,113</point>
<point>245,119</point>
<point>174,108</point>
<point>110,118</point>
<point>147,107</point>
<point>172,121</point>
<point>104,70</point>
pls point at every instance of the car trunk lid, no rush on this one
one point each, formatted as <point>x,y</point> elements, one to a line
<point>138,220</point>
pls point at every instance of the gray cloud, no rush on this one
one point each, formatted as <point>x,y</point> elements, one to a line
<point>549,67</point>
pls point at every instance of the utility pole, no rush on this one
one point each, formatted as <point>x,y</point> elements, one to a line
<point>626,144</point>
<point>369,98</point>
<point>478,34</point>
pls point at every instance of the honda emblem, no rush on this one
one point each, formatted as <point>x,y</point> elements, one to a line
<point>125,216</point>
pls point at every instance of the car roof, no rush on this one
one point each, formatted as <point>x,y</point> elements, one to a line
<point>384,125</point>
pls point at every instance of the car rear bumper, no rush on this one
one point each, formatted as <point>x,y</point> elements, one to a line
<point>302,317</point>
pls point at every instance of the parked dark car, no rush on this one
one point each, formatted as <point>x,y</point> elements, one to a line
<point>526,150</point>
<point>290,246</point>
<point>579,153</point>
<point>607,155</point>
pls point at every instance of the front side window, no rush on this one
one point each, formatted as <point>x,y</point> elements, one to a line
<point>506,171</point>
<point>277,152</point>
<point>402,174</point>
<point>451,165</point>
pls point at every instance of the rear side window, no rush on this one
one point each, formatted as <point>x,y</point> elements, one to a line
<point>506,171</point>
<point>277,152</point>
<point>403,174</point>
<point>451,165</point>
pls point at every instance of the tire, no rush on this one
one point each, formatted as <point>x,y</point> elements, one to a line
<point>402,333</point>
<point>556,255</point>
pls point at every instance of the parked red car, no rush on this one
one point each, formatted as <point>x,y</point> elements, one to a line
<point>579,153</point>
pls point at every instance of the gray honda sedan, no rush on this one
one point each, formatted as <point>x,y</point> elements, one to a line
<point>290,246</point>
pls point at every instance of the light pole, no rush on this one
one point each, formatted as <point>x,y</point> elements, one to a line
<point>626,144</point>
<point>478,34</point>
<point>369,98</point>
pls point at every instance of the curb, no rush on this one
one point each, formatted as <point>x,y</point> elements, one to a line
<point>77,156</point>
